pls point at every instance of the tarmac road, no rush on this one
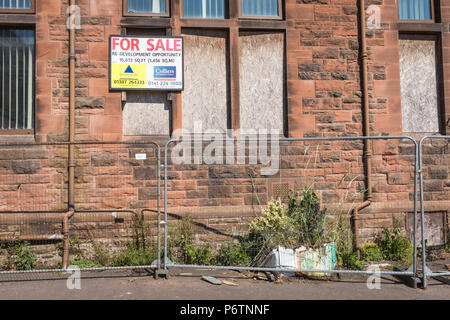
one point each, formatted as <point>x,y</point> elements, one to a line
<point>127,285</point>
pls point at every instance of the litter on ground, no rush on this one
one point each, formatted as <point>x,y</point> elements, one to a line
<point>212,280</point>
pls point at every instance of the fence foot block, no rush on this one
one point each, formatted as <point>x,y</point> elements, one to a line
<point>410,281</point>
<point>161,273</point>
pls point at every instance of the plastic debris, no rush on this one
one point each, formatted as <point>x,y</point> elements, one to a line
<point>230,283</point>
<point>281,258</point>
<point>212,280</point>
<point>310,259</point>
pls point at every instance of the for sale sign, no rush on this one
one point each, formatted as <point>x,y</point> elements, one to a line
<point>146,63</point>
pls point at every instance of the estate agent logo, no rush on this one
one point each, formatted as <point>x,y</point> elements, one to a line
<point>165,73</point>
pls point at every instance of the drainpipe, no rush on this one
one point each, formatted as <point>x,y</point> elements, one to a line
<point>72,58</point>
<point>366,127</point>
<point>71,164</point>
<point>66,218</point>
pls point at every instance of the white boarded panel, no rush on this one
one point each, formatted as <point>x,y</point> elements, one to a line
<point>205,80</point>
<point>418,86</point>
<point>146,113</point>
<point>261,80</point>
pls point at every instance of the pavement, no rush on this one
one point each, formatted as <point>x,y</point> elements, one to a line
<point>188,285</point>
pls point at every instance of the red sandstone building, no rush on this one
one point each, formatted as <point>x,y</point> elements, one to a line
<point>292,65</point>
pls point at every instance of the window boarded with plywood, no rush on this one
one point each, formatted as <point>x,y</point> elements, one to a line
<point>419,85</point>
<point>261,80</point>
<point>206,90</point>
<point>435,228</point>
<point>146,113</point>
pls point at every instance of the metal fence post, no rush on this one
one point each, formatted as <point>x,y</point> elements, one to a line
<point>425,269</point>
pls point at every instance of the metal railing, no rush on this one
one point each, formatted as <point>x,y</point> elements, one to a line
<point>412,272</point>
<point>116,184</point>
<point>104,168</point>
<point>443,150</point>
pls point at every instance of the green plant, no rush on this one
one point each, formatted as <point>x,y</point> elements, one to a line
<point>140,227</point>
<point>198,255</point>
<point>132,256</point>
<point>101,256</point>
<point>371,252</point>
<point>18,256</point>
<point>74,247</point>
<point>234,254</point>
<point>180,239</point>
<point>84,263</point>
<point>8,262</point>
<point>308,219</point>
<point>25,259</point>
<point>139,251</point>
<point>349,260</point>
<point>395,246</point>
<point>274,226</point>
<point>183,249</point>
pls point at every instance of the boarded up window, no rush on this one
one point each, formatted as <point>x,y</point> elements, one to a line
<point>146,113</point>
<point>261,80</point>
<point>419,85</point>
<point>435,228</point>
<point>205,95</point>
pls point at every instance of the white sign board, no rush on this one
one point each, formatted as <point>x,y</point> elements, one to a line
<point>146,63</point>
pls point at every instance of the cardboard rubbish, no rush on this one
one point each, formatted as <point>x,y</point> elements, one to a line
<point>310,259</point>
<point>281,258</point>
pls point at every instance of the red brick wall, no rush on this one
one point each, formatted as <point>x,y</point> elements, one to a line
<point>323,95</point>
<point>98,112</point>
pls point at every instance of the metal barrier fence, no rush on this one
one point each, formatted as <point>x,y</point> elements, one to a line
<point>222,188</point>
<point>117,201</point>
<point>437,160</point>
<point>117,191</point>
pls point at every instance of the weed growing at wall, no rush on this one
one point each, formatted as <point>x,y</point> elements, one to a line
<point>307,217</point>
<point>274,227</point>
<point>348,259</point>
<point>395,246</point>
<point>25,259</point>
<point>139,251</point>
<point>371,252</point>
<point>18,256</point>
<point>234,254</point>
<point>201,255</point>
<point>183,249</point>
<point>133,256</point>
<point>84,263</point>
